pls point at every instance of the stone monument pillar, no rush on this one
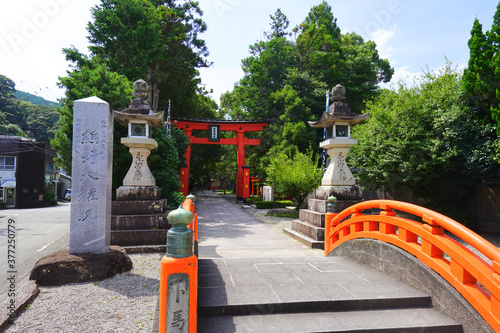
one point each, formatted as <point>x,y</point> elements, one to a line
<point>92,173</point>
<point>90,256</point>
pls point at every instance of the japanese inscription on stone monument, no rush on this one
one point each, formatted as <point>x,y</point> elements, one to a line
<point>91,176</point>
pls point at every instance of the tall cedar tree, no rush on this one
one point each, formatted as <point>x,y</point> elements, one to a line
<point>287,74</point>
<point>482,76</point>
<point>157,41</point>
<point>131,39</point>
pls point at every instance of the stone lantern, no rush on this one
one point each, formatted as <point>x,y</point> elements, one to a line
<point>337,122</point>
<point>338,189</point>
<point>139,119</point>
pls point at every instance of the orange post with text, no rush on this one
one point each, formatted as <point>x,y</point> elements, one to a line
<point>179,277</point>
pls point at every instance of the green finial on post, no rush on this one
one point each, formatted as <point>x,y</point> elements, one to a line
<point>190,196</point>
<point>179,237</point>
<point>332,204</point>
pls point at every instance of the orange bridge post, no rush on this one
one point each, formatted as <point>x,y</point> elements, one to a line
<point>179,276</point>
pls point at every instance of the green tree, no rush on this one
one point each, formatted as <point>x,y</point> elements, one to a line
<point>164,164</point>
<point>425,140</point>
<point>154,40</point>
<point>294,174</point>
<point>23,118</point>
<point>285,79</point>
<point>9,111</point>
<point>279,25</point>
<point>88,77</point>
<point>479,75</point>
<point>482,76</point>
<point>158,41</point>
<point>39,121</point>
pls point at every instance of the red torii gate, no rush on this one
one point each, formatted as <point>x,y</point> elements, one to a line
<point>215,127</point>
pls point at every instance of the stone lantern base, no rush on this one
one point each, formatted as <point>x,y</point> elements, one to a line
<point>138,193</point>
<point>310,227</point>
<point>341,192</point>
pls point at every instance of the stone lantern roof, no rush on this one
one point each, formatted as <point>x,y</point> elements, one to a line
<point>339,111</point>
<point>139,108</point>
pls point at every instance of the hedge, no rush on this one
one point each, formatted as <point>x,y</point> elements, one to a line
<point>270,204</point>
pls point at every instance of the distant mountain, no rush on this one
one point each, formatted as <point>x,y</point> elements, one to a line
<point>24,96</point>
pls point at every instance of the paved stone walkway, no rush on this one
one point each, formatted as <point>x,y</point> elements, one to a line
<point>228,231</point>
<point>248,267</point>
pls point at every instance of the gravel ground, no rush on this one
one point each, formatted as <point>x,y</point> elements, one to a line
<point>123,303</point>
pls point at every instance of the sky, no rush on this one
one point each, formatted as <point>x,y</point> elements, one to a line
<point>413,35</point>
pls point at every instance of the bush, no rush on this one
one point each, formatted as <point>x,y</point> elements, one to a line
<point>175,199</point>
<point>253,200</point>
<point>164,164</point>
<point>293,214</point>
<point>294,174</point>
<point>48,196</point>
<point>270,204</point>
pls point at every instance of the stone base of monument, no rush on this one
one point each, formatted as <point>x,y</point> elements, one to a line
<point>310,227</point>
<point>139,219</point>
<point>62,267</point>
<point>137,193</point>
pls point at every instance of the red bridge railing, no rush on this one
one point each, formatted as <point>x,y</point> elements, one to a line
<point>477,279</point>
<point>188,204</point>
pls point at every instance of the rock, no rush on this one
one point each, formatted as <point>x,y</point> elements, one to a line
<point>62,267</point>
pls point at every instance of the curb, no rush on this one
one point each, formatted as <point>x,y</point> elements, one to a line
<point>24,295</point>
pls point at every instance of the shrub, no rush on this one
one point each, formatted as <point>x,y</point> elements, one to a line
<point>294,174</point>
<point>270,204</point>
<point>48,196</point>
<point>251,201</point>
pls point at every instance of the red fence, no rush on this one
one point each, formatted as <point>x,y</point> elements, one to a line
<point>188,204</point>
<point>478,280</point>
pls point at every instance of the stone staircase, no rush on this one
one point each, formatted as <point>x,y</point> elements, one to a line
<point>310,295</point>
<point>140,226</point>
<point>310,227</point>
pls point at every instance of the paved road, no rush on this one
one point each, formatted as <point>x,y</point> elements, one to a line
<point>38,232</point>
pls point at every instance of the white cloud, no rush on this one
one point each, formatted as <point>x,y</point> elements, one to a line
<point>402,75</point>
<point>382,38</point>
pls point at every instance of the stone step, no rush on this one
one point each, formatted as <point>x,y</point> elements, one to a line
<point>309,230</point>
<point>312,217</point>
<point>308,241</point>
<point>307,284</point>
<point>309,294</point>
<point>206,306</point>
<point>139,207</point>
<point>317,205</point>
<point>139,237</point>
<point>138,222</point>
<point>392,320</point>
<point>139,249</point>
